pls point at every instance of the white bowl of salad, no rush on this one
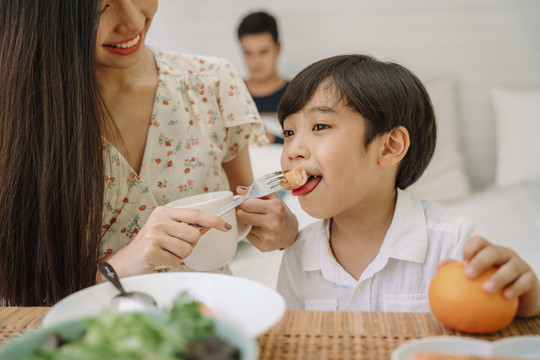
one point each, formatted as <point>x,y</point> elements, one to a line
<point>179,333</point>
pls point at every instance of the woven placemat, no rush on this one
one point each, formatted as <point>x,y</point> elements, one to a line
<point>15,321</point>
<point>317,334</point>
<point>358,335</point>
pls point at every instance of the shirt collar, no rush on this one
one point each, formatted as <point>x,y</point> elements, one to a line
<point>317,252</point>
<point>406,238</point>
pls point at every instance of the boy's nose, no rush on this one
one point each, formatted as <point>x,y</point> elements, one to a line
<point>298,149</point>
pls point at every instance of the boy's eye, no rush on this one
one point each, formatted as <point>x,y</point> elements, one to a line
<point>287,133</point>
<point>319,127</point>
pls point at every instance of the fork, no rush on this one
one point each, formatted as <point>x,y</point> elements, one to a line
<point>263,186</point>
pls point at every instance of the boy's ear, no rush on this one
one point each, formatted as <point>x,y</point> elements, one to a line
<point>394,147</point>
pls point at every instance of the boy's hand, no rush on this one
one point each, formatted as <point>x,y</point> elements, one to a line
<point>514,275</point>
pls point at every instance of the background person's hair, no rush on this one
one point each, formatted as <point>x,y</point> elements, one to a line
<point>51,162</point>
<point>386,94</point>
<point>257,23</point>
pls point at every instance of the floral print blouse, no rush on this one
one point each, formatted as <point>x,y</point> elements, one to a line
<point>203,116</point>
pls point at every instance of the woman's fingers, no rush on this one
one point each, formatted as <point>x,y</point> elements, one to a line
<point>180,231</point>
<point>259,238</point>
<point>265,205</point>
<point>166,259</point>
<point>174,252</point>
<point>167,236</point>
<point>274,226</point>
<point>166,243</point>
<point>193,216</point>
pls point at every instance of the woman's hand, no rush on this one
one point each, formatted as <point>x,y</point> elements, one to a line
<point>274,225</point>
<point>514,275</point>
<point>165,239</point>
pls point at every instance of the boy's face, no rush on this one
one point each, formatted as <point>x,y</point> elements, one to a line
<point>327,138</point>
<point>260,55</point>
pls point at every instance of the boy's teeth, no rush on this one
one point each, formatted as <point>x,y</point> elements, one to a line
<point>129,43</point>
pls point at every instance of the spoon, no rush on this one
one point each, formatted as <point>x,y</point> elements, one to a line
<point>126,301</point>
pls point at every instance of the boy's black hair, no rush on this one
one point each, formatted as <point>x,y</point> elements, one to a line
<point>258,22</point>
<point>386,94</point>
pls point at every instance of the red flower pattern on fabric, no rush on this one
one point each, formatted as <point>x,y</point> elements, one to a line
<point>203,116</point>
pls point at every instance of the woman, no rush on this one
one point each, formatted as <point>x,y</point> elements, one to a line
<point>98,132</point>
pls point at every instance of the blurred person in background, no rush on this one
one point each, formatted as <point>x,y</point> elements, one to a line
<point>258,35</point>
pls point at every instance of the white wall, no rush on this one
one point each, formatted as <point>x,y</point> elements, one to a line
<point>482,43</point>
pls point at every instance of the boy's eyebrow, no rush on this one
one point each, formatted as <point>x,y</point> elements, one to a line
<point>322,109</point>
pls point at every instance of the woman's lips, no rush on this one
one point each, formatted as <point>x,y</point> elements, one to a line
<point>308,187</point>
<point>127,47</point>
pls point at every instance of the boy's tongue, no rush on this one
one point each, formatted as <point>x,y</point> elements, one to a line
<point>312,182</point>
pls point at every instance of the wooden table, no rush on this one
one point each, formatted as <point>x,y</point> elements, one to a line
<point>316,334</point>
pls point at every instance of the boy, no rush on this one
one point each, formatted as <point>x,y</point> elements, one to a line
<point>364,130</point>
<point>259,38</point>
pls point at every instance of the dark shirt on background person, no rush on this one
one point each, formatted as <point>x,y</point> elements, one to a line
<point>267,106</point>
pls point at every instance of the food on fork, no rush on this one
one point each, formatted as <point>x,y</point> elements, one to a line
<point>295,178</point>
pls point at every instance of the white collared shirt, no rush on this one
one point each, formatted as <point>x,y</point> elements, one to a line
<point>421,234</point>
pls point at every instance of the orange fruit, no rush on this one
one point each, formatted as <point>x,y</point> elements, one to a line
<point>462,304</point>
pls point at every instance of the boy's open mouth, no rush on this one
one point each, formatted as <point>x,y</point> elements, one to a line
<point>308,187</point>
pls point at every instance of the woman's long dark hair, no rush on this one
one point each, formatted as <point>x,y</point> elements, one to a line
<point>51,162</point>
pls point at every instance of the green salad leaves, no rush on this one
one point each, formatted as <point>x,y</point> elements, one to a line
<point>181,333</point>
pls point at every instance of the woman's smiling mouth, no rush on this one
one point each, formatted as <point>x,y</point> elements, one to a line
<point>126,47</point>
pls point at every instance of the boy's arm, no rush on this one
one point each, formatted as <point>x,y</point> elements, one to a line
<point>514,274</point>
